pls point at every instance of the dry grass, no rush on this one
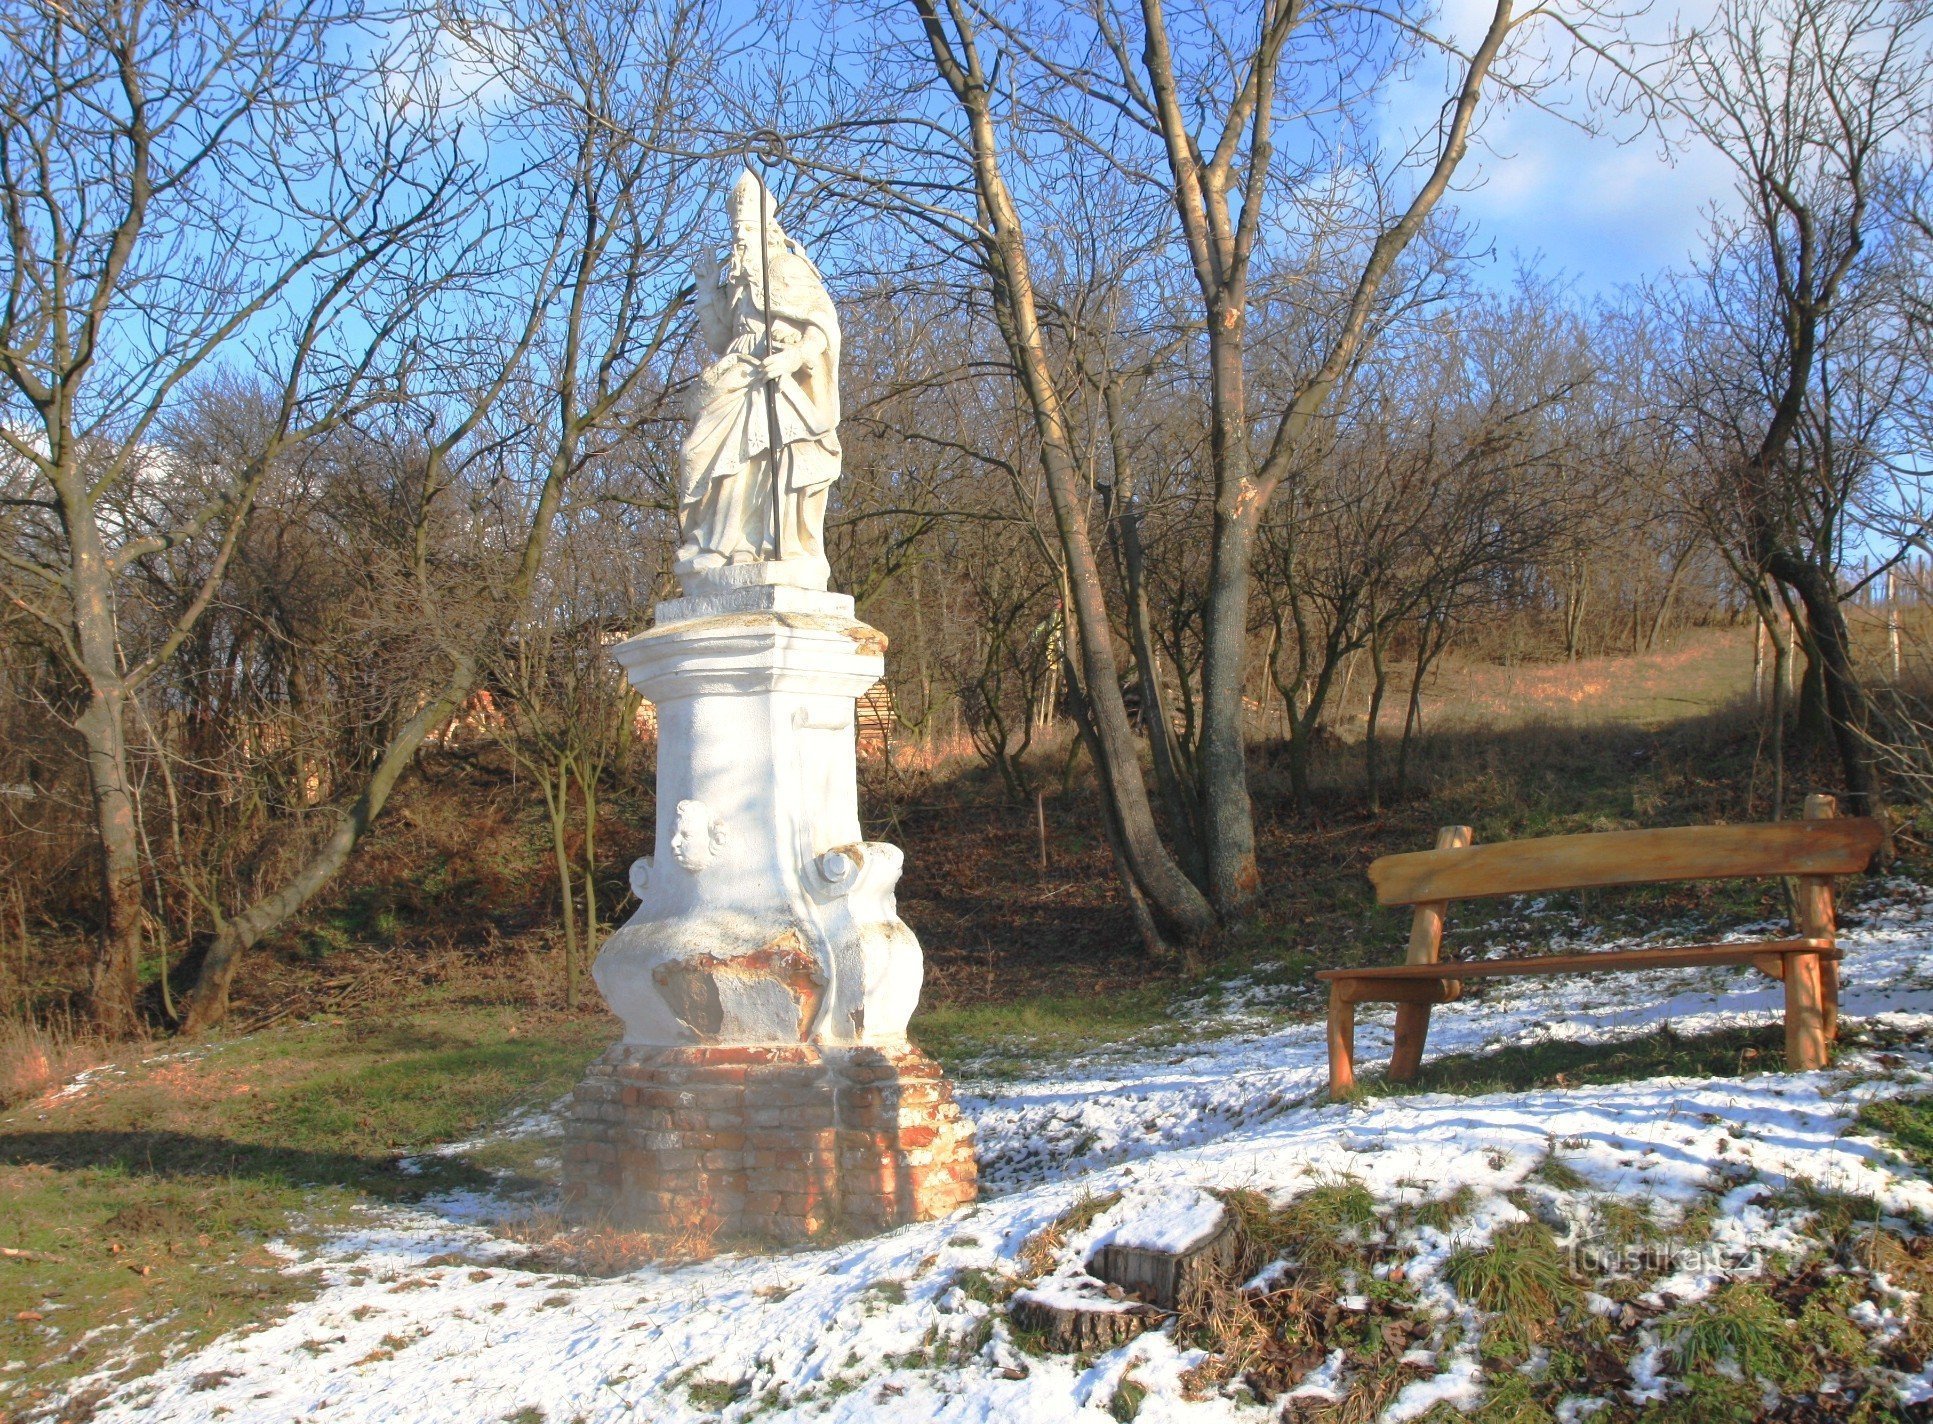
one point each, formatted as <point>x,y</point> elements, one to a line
<point>36,1059</point>
<point>595,1249</point>
<point>1271,1338</point>
<point>1704,670</point>
<point>1040,1251</point>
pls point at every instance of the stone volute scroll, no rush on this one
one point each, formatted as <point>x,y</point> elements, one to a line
<point>764,1083</point>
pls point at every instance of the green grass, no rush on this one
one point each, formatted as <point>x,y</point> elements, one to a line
<point>146,1202</point>
<point>1520,1278</point>
<point>997,1039</point>
<point>1322,1228</point>
<point>1509,1399</point>
<point>1124,1405</point>
<point>1906,1123</point>
<point>1740,1326</point>
<point>1554,1171</point>
<point>1561,1064</point>
<point>716,1394</point>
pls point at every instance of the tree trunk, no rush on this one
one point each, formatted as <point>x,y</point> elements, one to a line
<point>556,787</point>
<point>587,775</point>
<point>1168,775</point>
<point>208,1002</point>
<point>1664,605</point>
<point>1372,749</point>
<point>1429,645</point>
<point>1172,897</point>
<point>1574,604</point>
<point>1844,698</point>
<point>114,977</point>
<point>1153,943</point>
<point>1226,816</point>
<point>1758,659</point>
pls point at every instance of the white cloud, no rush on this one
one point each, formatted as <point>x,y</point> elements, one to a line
<point>1538,184</point>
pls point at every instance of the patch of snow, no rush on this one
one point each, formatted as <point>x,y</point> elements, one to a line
<point>1170,1220</point>
<point>1460,1386</point>
<point>1325,1381</point>
<point>1075,1293</point>
<point>810,1335</point>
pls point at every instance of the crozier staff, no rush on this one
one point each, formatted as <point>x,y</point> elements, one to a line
<point>748,496</point>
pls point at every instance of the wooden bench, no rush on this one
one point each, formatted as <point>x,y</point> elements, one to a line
<point>1812,851</point>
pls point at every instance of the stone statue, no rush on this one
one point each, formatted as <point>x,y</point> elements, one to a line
<point>763,449</point>
<point>765,1083</point>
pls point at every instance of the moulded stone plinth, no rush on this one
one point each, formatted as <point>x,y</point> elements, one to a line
<point>764,916</point>
<point>779,1142</point>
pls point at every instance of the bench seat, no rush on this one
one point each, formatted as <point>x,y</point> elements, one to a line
<point>1811,852</point>
<point>1385,983</point>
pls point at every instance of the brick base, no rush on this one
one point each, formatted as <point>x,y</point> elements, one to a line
<point>781,1142</point>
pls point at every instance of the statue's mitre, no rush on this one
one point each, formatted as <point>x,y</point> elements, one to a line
<point>747,195</point>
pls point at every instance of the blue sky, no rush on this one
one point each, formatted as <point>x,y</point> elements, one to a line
<point>1602,213</point>
<point>1605,209</point>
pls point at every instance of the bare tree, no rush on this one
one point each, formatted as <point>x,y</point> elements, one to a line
<point>1190,112</point>
<point>185,192</point>
<point>1805,99</point>
<point>601,108</point>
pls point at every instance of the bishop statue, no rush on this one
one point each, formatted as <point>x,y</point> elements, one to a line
<point>763,449</point>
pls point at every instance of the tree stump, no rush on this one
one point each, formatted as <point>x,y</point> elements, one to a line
<point>1069,1320</point>
<point>1166,1278</point>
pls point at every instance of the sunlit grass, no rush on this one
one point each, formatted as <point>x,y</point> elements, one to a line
<point>146,1202</point>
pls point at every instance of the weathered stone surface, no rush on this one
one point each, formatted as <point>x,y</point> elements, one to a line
<point>836,1157</point>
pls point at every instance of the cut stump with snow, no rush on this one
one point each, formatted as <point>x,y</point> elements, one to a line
<point>1167,1261</point>
<point>1070,1321</point>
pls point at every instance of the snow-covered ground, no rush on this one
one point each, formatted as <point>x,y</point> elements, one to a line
<point>854,1331</point>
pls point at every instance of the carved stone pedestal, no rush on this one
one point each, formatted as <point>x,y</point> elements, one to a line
<point>779,1143</point>
<point>765,1086</point>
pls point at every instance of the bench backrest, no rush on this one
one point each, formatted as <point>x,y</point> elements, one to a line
<point>1606,858</point>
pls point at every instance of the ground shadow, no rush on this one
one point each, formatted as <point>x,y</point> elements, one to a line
<point>184,1156</point>
<point>1728,1053</point>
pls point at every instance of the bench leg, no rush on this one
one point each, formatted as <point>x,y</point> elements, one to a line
<point>1829,979</point>
<point>1412,1028</point>
<point>1342,1044</point>
<point>1805,1013</point>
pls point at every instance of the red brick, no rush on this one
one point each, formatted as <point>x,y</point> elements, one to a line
<point>807,1136</point>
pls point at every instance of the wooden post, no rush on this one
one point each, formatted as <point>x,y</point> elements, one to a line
<point>1342,1041</point>
<point>1813,916</point>
<point>1425,945</point>
<point>1892,620</point>
<point>1805,1014</point>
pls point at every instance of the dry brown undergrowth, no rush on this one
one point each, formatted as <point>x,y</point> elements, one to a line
<point>36,1059</point>
<point>1038,1251</point>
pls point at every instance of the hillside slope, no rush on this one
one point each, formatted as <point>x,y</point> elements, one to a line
<point>1759,1188</point>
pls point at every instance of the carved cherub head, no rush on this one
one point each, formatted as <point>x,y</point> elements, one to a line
<point>697,836</point>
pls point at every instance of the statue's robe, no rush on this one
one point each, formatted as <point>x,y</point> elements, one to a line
<point>726,492</point>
